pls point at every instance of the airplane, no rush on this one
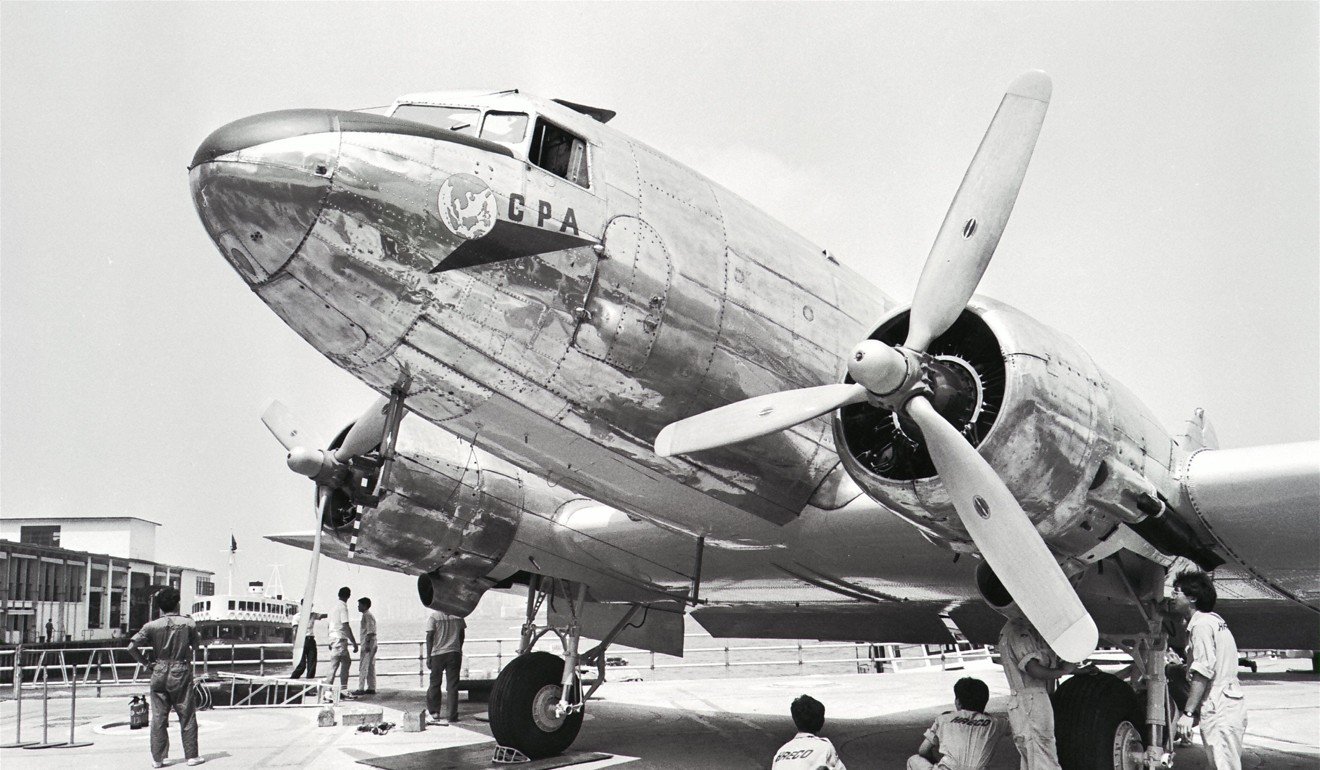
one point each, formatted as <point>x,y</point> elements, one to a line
<point>635,396</point>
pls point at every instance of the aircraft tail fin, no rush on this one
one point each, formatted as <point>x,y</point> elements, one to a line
<point>1198,433</point>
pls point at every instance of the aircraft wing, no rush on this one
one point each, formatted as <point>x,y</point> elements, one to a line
<point>331,547</point>
<point>1262,506</point>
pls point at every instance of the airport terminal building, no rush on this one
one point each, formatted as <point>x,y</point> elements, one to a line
<point>91,578</point>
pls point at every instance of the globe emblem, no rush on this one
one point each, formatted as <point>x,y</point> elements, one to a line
<point>467,206</point>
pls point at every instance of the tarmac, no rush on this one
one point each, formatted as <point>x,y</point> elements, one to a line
<point>875,721</point>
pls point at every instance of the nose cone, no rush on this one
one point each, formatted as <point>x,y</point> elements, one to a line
<point>259,184</point>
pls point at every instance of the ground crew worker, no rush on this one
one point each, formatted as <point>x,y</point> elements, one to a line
<point>807,750</point>
<point>962,739</point>
<point>444,642</point>
<point>367,663</point>
<point>307,663</point>
<point>341,635</point>
<point>172,638</point>
<point>1031,668</point>
<point>1215,698</point>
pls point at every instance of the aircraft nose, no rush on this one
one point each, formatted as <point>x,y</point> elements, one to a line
<point>259,183</point>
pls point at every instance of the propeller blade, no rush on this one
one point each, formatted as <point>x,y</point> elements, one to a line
<point>280,422</point>
<point>979,212</point>
<point>309,592</point>
<point>1006,538</point>
<point>754,417</point>
<point>366,432</point>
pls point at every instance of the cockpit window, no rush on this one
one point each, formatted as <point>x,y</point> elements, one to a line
<point>560,153</point>
<point>460,119</point>
<point>505,127</point>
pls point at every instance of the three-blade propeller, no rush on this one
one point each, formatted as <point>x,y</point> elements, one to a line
<point>894,378</point>
<point>329,469</point>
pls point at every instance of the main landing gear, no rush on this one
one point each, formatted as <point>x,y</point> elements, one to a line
<point>538,700</point>
<point>1124,722</point>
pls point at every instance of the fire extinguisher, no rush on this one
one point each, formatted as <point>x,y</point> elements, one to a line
<point>137,713</point>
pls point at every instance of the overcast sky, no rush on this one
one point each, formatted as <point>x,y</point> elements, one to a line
<point>1169,222</point>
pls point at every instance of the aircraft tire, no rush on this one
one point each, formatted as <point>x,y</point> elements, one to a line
<point>1098,718</point>
<point>521,702</point>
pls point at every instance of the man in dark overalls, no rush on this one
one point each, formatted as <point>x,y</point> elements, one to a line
<point>172,638</point>
<point>307,663</point>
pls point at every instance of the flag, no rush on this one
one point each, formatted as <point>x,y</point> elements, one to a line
<point>233,544</point>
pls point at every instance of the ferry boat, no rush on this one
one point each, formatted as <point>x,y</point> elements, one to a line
<point>260,616</point>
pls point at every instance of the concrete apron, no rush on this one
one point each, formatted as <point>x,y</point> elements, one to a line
<point>874,721</point>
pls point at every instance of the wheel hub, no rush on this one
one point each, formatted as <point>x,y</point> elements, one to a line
<point>543,708</point>
<point>1128,748</point>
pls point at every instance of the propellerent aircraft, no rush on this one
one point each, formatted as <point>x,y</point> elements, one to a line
<point>634,396</point>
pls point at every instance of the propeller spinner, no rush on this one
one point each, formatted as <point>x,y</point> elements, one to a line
<point>900,379</point>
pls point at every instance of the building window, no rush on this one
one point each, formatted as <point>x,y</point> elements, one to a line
<point>94,609</point>
<point>205,587</point>
<point>39,535</point>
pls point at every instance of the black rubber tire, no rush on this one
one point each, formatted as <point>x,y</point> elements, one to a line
<point>511,703</point>
<point>1088,713</point>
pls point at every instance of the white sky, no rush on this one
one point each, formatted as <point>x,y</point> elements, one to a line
<point>1170,221</point>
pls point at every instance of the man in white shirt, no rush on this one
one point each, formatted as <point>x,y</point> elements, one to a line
<point>341,635</point>
<point>1031,668</point>
<point>1215,697</point>
<point>367,662</point>
<point>444,641</point>
<point>807,750</point>
<point>962,739</point>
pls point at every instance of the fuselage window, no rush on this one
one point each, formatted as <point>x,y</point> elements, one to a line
<point>505,127</point>
<point>460,119</point>
<point>560,153</point>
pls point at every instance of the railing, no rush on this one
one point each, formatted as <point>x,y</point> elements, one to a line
<point>113,666</point>
<point>861,656</point>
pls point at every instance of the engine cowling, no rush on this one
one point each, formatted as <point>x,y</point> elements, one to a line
<point>1029,398</point>
<point>449,512</point>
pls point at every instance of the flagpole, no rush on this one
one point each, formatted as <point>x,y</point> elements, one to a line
<point>233,546</point>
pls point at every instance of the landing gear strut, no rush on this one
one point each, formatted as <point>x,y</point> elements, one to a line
<point>1105,723</point>
<point>538,701</point>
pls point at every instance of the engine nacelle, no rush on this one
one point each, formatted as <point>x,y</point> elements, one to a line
<point>1029,398</point>
<point>450,512</point>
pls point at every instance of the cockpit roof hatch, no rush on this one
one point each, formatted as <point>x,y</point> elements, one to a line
<point>600,114</point>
